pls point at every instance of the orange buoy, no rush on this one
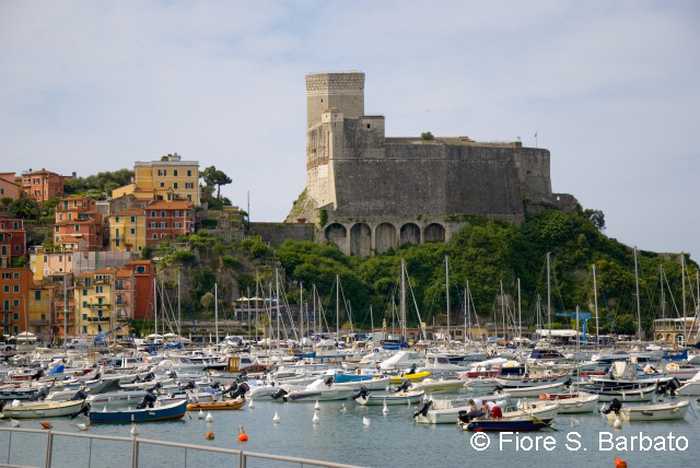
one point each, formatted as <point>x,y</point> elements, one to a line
<point>46,425</point>
<point>242,436</point>
<point>620,463</point>
<point>209,435</point>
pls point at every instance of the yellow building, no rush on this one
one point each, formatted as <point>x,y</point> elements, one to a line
<point>93,301</point>
<point>40,308</point>
<point>45,264</point>
<point>170,178</point>
<point>127,230</point>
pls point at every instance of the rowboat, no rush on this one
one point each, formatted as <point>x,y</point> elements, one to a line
<point>539,409</point>
<point>526,392</point>
<point>636,395</point>
<point>414,377</point>
<point>174,410</point>
<point>573,403</point>
<point>43,409</point>
<point>524,424</point>
<point>658,412</point>
<point>234,404</point>
<point>399,398</point>
<point>691,387</point>
<point>319,394</point>
<point>117,398</point>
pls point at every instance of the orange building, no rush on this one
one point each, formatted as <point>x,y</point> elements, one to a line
<point>42,185</point>
<point>13,241</point>
<point>168,219</point>
<point>133,290</point>
<point>15,284</point>
<point>9,186</point>
<point>79,225</point>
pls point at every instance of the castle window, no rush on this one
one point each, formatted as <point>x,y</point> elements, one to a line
<point>368,126</point>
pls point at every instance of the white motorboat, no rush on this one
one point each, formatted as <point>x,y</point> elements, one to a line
<point>319,390</point>
<point>540,409</point>
<point>657,412</point>
<point>573,403</point>
<point>535,391</point>
<point>42,409</point>
<point>447,411</point>
<point>389,399</point>
<point>439,386</point>
<point>691,387</point>
<point>635,395</point>
<point>116,398</point>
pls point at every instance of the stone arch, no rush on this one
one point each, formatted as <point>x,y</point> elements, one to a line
<point>360,240</point>
<point>434,232</point>
<point>337,234</point>
<point>410,234</point>
<point>385,237</point>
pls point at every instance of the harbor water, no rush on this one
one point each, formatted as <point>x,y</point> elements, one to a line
<point>341,436</point>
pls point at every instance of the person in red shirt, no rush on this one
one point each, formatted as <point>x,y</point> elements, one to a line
<point>496,412</point>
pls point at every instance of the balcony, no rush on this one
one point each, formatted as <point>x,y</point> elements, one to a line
<point>96,319</point>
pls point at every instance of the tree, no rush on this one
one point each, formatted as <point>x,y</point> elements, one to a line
<point>427,136</point>
<point>25,208</point>
<point>206,301</point>
<point>214,177</point>
<point>597,217</point>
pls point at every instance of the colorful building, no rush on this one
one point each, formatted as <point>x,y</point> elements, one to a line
<point>79,225</point>
<point>166,220</point>
<point>40,309</point>
<point>63,306</point>
<point>14,293</point>
<point>9,186</point>
<point>169,178</point>
<point>46,264</point>
<point>13,241</point>
<point>127,230</point>
<point>93,301</point>
<point>42,185</point>
<point>133,290</point>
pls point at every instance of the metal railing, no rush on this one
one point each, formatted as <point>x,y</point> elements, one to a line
<point>136,444</point>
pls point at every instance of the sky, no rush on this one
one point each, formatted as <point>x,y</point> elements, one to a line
<point>610,88</point>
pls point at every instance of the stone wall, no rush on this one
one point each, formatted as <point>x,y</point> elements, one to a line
<point>276,233</point>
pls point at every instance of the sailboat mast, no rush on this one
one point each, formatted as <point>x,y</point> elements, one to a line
<point>402,303</point>
<point>663,291</point>
<point>301,309</point>
<point>503,312</point>
<point>179,309</point>
<point>520,313</point>
<point>636,287</point>
<point>469,305</point>
<point>337,307</point>
<point>216,312</point>
<point>155,304</point>
<point>277,303</point>
<point>447,295</point>
<point>371,318</point>
<point>465,317</point>
<point>549,295</point>
<point>595,305</point>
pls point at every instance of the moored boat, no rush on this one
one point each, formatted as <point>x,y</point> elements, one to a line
<point>656,412</point>
<point>174,410</point>
<point>43,409</point>
<point>523,424</point>
<point>573,403</point>
<point>535,391</point>
<point>230,404</point>
<point>399,398</point>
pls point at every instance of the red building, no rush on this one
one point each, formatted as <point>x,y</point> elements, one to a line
<point>168,220</point>
<point>133,290</point>
<point>79,226</point>
<point>14,298</point>
<point>42,185</point>
<point>13,241</point>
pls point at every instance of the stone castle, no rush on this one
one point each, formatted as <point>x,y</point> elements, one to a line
<point>370,193</point>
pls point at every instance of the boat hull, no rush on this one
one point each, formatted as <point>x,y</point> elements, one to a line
<point>43,410</point>
<point>163,413</point>
<point>507,425</point>
<point>217,405</point>
<point>392,399</point>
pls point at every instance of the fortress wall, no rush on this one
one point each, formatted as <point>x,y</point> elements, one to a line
<point>533,172</point>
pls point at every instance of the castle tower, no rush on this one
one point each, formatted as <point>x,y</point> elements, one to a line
<point>343,92</point>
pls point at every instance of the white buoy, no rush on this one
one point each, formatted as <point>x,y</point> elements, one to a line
<point>315,419</point>
<point>385,409</point>
<point>617,423</point>
<point>82,426</point>
<point>276,418</point>
<point>317,406</point>
<point>200,415</point>
<point>209,417</point>
<point>365,421</point>
<point>14,423</point>
<point>134,432</point>
<point>343,409</point>
<point>251,405</point>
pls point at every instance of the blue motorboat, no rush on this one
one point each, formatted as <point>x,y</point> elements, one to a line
<point>526,424</point>
<point>174,410</point>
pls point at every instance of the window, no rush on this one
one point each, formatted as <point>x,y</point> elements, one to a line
<point>189,185</point>
<point>154,214</point>
<point>189,173</point>
<point>15,316</point>
<point>84,292</point>
<point>155,236</point>
<point>15,275</point>
<point>85,304</point>
<point>132,231</point>
<point>85,328</point>
<point>76,228</point>
<point>16,288</point>
<point>162,184</point>
<point>175,185</point>
<point>175,172</point>
<point>133,219</point>
<point>162,214</point>
<point>6,288</point>
<point>116,219</point>
<point>37,295</point>
<point>140,269</point>
<point>189,197</point>
<point>116,242</point>
<point>15,303</point>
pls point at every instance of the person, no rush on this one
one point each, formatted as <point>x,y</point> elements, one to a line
<point>496,412</point>
<point>473,411</point>
<point>485,410</point>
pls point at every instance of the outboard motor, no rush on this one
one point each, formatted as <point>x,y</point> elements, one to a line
<point>281,393</point>
<point>614,407</point>
<point>79,395</point>
<point>42,394</point>
<point>405,385</point>
<point>423,411</point>
<point>240,390</point>
<point>363,393</point>
<point>190,385</point>
<point>412,370</point>
<point>328,380</point>
<point>148,400</point>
